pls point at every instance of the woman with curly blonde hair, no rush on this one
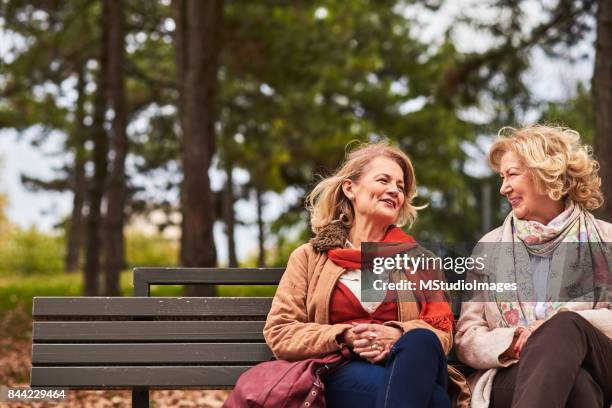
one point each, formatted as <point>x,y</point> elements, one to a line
<point>527,353</point>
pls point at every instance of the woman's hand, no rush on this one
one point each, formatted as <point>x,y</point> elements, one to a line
<point>509,353</point>
<point>374,341</point>
<point>524,336</point>
<point>348,338</point>
<point>521,336</point>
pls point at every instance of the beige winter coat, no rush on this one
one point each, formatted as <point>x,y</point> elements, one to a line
<point>298,325</point>
<point>480,343</point>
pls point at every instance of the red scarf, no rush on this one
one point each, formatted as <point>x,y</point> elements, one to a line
<point>437,314</point>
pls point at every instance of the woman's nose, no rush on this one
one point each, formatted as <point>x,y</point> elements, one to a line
<point>394,191</point>
<point>505,187</point>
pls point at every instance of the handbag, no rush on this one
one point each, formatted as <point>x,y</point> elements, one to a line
<point>458,388</point>
<point>285,384</point>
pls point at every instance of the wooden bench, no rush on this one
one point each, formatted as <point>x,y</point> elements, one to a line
<point>144,343</point>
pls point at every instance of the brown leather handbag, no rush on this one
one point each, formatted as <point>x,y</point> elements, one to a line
<point>285,384</point>
<point>458,389</point>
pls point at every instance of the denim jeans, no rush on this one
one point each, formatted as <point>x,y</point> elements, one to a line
<point>415,375</point>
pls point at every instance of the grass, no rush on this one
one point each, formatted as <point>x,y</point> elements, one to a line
<point>16,292</point>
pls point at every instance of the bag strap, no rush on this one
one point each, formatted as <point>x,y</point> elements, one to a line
<point>325,369</point>
<point>346,355</point>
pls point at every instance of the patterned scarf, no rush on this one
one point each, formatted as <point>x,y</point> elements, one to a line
<point>579,272</point>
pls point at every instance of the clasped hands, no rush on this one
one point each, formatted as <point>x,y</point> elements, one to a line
<point>371,341</point>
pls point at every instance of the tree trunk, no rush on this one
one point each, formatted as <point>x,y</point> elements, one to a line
<point>74,234</point>
<point>261,259</point>
<point>116,194</point>
<point>229,216</point>
<point>100,160</point>
<point>198,29</point>
<point>602,96</point>
<point>179,15</point>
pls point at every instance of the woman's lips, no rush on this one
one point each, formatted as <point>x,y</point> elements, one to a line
<point>389,202</point>
<point>514,201</point>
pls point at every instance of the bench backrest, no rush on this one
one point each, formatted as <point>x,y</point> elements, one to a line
<point>162,342</point>
<point>152,342</point>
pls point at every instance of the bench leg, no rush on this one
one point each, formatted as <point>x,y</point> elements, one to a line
<point>140,397</point>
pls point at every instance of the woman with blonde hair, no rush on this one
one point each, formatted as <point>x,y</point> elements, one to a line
<point>548,343</point>
<point>400,347</point>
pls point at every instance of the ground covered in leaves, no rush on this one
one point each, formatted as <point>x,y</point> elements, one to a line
<point>15,359</point>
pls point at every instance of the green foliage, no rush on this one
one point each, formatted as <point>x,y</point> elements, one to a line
<point>576,113</point>
<point>29,251</point>
<point>297,82</point>
<point>150,250</point>
<point>26,252</point>
<point>4,222</point>
<point>16,292</point>
<point>301,80</point>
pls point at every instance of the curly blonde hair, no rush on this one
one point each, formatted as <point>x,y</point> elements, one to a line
<point>559,163</point>
<point>327,203</point>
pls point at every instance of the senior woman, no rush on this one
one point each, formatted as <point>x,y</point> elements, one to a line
<point>317,309</point>
<point>547,346</point>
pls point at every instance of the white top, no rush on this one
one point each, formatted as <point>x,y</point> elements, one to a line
<point>352,280</point>
<point>541,267</point>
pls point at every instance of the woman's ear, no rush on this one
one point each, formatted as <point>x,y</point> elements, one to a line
<point>347,188</point>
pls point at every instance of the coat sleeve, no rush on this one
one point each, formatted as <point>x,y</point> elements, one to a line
<point>478,345</point>
<point>600,318</point>
<point>288,331</point>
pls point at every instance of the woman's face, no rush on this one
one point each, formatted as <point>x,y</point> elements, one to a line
<point>527,202</point>
<point>379,193</point>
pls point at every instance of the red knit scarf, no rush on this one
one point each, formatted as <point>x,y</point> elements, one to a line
<point>437,314</point>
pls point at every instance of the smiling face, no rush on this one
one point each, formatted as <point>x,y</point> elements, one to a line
<point>379,193</point>
<point>528,203</point>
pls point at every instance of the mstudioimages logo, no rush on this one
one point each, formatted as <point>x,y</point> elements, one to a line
<point>440,284</point>
<point>412,264</point>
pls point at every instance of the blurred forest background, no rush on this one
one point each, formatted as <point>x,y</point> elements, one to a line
<point>180,126</point>
<point>152,100</point>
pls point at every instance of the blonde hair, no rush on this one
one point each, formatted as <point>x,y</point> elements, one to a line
<point>559,163</point>
<point>327,202</point>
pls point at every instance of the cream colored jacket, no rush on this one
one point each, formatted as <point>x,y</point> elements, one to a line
<point>480,343</point>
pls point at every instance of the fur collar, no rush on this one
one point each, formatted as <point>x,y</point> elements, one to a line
<point>333,235</point>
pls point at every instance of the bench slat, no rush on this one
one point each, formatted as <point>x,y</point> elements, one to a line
<point>146,376</point>
<point>150,306</point>
<point>150,353</point>
<point>147,331</point>
<point>213,276</point>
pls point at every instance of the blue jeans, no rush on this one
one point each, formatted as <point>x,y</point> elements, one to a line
<point>415,375</point>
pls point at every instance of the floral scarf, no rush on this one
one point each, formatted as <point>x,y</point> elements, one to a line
<point>578,273</point>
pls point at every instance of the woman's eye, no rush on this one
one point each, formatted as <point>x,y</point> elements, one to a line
<point>382,181</point>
